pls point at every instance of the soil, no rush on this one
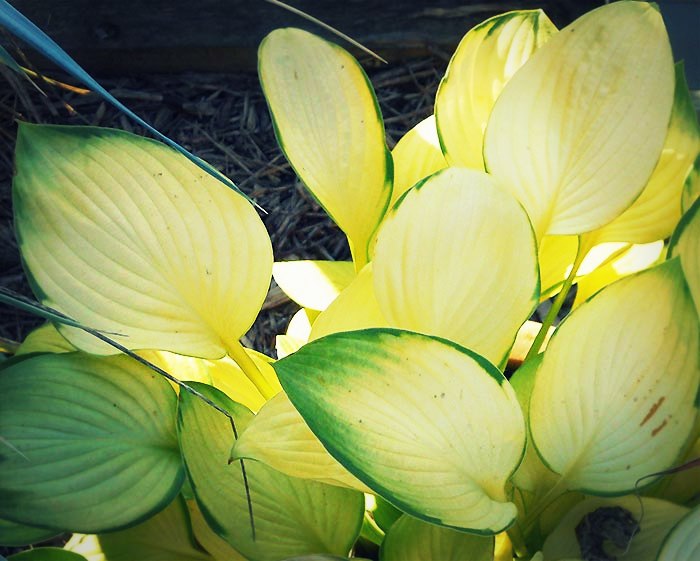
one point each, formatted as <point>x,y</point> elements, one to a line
<point>223,119</point>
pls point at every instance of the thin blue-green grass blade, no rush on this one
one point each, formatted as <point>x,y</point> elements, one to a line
<point>21,27</point>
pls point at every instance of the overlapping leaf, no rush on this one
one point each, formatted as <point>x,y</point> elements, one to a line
<point>126,236</point>
<point>685,243</point>
<point>656,212</point>
<point>443,251</point>
<point>279,437</point>
<point>656,517</point>
<point>408,415</point>
<point>683,542</point>
<point>292,516</point>
<point>164,537</point>
<point>577,131</point>
<point>410,539</point>
<point>416,156</point>
<point>485,60</point>
<point>313,284</point>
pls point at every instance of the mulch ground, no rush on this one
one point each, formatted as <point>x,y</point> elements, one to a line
<point>224,120</point>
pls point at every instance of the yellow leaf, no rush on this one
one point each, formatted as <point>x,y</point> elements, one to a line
<point>329,126</point>
<point>129,237</point>
<point>578,130</point>
<point>416,155</point>
<point>313,284</point>
<point>444,251</point>
<point>485,60</point>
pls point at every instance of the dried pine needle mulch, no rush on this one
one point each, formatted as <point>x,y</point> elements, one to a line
<point>224,120</point>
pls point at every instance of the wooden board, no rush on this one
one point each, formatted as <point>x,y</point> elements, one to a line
<point>117,36</point>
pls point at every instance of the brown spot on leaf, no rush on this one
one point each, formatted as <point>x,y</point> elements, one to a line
<point>653,410</point>
<point>657,429</point>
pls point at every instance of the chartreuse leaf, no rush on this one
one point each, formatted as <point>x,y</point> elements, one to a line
<point>46,554</point>
<point>355,308</point>
<point>691,187</point>
<point>410,539</point>
<point>45,339</point>
<point>656,518</point>
<point>223,374</point>
<point>443,251</point>
<point>556,255</point>
<point>683,542</point>
<point>165,537</point>
<point>126,236</point>
<point>279,437</point>
<point>684,487</point>
<point>14,534</point>
<point>96,442</point>
<point>625,406</point>
<point>532,475</point>
<point>217,547</point>
<point>407,415</point>
<point>313,284</point>
<point>577,131</point>
<point>416,155</point>
<point>329,126</point>
<point>485,60</point>
<point>656,212</point>
<point>633,259</point>
<point>20,26</point>
<point>685,243</point>
<point>298,332</point>
<point>292,516</point>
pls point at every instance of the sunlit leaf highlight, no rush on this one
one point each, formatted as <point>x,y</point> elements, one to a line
<point>614,397</point>
<point>578,130</point>
<point>405,413</point>
<point>328,124</point>
<point>485,60</point>
<point>126,236</point>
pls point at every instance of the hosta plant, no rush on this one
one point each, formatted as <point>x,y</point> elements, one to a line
<point>413,408</point>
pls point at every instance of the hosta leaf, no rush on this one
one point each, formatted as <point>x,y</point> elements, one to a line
<point>691,187</point>
<point>313,284</point>
<point>625,405</point>
<point>485,60</point>
<point>223,374</point>
<point>14,534</point>
<point>443,251</point>
<point>532,475</point>
<point>355,308</point>
<point>45,339</point>
<point>97,442</point>
<point>416,155</point>
<point>656,212</point>
<point>279,437</point>
<point>577,131</point>
<point>165,537</point>
<point>656,518</point>
<point>298,332</point>
<point>686,244</point>
<point>46,554</point>
<point>125,235</point>
<point>684,487</point>
<point>633,259</point>
<point>292,516</point>
<point>556,255</point>
<point>217,547</point>
<point>410,539</point>
<point>683,542</point>
<point>407,414</point>
<point>329,126</point>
